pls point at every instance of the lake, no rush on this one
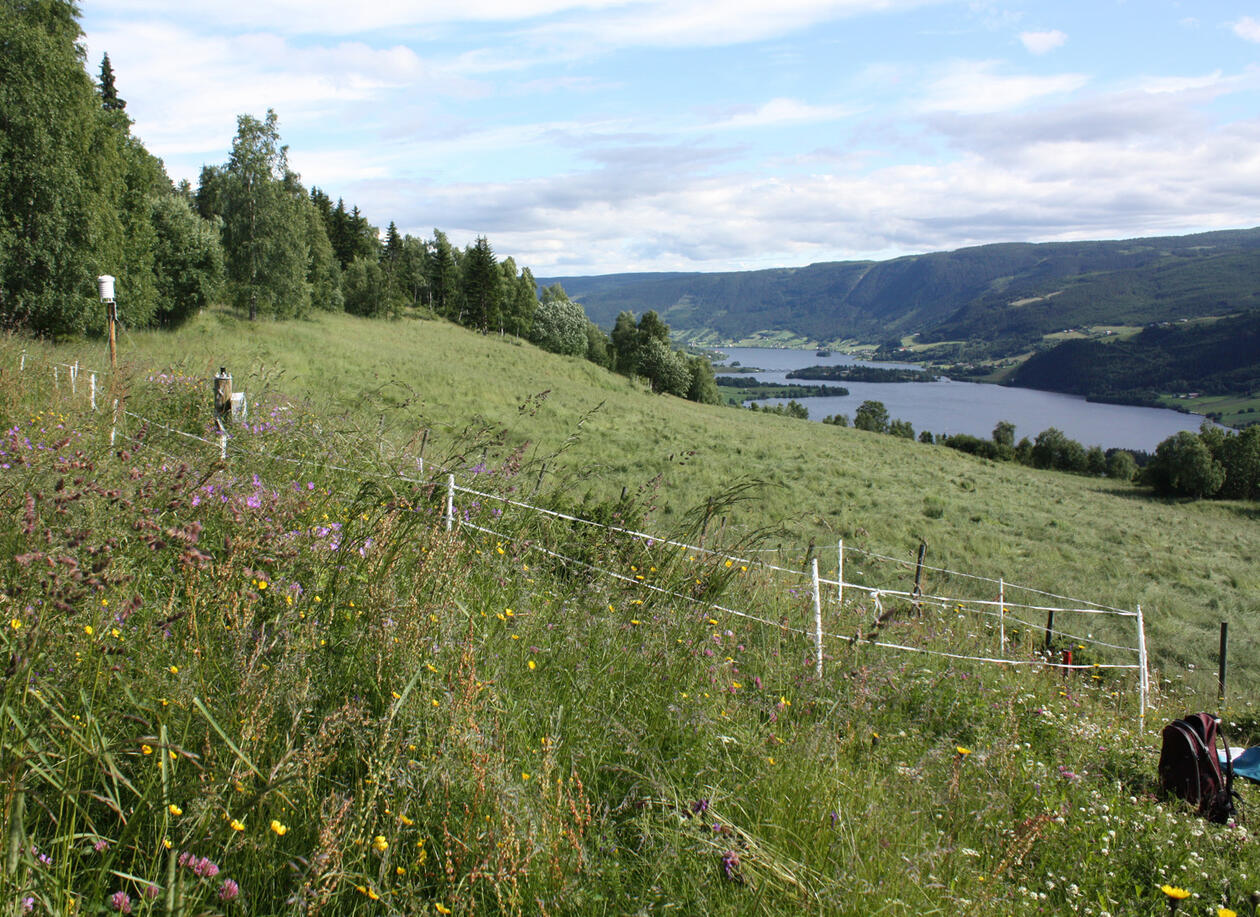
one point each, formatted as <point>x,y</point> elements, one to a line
<point>971,407</point>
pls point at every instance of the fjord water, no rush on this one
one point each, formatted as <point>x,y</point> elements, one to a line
<point>970,407</point>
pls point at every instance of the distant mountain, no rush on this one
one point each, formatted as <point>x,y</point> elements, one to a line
<point>1211,359</point>
<point>1004,297</point>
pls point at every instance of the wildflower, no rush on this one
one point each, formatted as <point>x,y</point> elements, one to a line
<point>380,844</point>
<point>532,666</point>
<point>100,845</point>
<point>963,752</point>
<point>205,868</point>
<point>150,891</point>
<point>405,820</point>
<point>146,749</point>
<point>400,870</point>
<point>524,775</point>
<point>15,623</point>
<point>1174,893</point>
<point>175,810</point>
<point>1225,912</point>
<point>730,865</point>
<point>228,890</point>
<point>634,621</point>
<point>262,584</point>
<point>236,824</point>
<point>87,629</point>
<point>277,827</point>
<point>441,909</point>
<point>174,670</point>
<point>121,902</point>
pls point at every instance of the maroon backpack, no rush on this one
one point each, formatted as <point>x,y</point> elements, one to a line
<point>1189,767</point>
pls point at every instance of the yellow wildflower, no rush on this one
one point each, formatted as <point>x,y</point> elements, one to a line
<point>441,909</point>
<point>87,629</point>
<point>380,844</point>
<point>236,824</point>
<point>963,751</point>
<point>532,666</point>
<point>174,670</point>
<point>146,749</point>
<point>277,827</point>
<point>175,810</point>
<point>1172,891</point>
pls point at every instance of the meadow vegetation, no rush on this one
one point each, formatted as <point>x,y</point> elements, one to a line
<point>277,684</point>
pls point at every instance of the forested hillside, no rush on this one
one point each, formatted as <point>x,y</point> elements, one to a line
<point>1213,358</point>
<point>1004,297</point>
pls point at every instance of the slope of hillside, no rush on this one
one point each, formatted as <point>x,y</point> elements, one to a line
<point>1188,565</point>
<point>278,682</point>
<point>962,295</point>
<point>1214,358</point>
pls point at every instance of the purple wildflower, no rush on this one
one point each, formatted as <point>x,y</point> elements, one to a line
<point>730,865</point>
<point>229,890</point>
<point>121,902</point>
<point>150,891</point>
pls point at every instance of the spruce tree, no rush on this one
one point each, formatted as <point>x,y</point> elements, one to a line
<point>109,92</point>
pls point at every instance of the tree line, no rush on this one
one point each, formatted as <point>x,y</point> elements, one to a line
<point>81,196</point>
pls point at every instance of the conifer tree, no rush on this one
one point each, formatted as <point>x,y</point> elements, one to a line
<point>109,92</point>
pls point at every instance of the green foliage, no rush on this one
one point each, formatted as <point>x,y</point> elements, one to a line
<point>1121,465</point>
<point>51,204</point>
<point>482,286</point>
<point>902,428</point>
<point>1004,434</point>
<point>366,291</point>
<point>871,416</point>
<point>1183,465</point>
<point>560,325</point>
<point>188,259</point>
<point>264,229</point>
<point>108,90</point>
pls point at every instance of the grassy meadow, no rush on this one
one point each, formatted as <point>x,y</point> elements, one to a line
<point>276,684</point>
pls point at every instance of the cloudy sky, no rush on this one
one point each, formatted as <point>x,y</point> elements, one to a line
<point>596,136</point>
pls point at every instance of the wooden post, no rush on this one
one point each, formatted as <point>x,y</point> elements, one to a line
<point>111,313</point>
<point>818,633</point>
<point>1220,677</point>
<point>450,501</point>
<point>918,575</point>
<point>1049,627</point>
<point>1002,615</point>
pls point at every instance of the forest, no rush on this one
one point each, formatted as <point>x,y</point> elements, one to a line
<point>80,196</point>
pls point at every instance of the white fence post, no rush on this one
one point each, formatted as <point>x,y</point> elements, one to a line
<point>22,362</point>
<point>1002,616</point>
<point>818,633</point>
<point>92,380</point>
<point>56,377</point>
<point>450,501</point>
<point>840,573</point>
<point>1143,678</point>
<point>113,430</point>
<point>74,378</point>
<point>223,445</point>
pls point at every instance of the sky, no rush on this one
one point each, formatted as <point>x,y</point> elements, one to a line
<point>601,136</point>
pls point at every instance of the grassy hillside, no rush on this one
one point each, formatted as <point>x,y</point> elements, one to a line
<point>1189,565</point>
<point>276,684</point>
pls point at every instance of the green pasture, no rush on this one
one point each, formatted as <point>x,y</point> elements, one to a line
<point>276,684</point>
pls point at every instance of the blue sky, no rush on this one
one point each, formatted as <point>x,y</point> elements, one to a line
<point>597,136</point>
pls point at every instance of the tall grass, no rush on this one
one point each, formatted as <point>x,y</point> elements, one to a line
<point>256,686</point>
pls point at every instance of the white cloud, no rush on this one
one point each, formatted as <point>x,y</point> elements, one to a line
<point>1248,29</point>
<point>782,112</point>
<point>974,87</point>
<point>1042,42</point>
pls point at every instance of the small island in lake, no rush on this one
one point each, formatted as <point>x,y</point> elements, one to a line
<point>862,374</point>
